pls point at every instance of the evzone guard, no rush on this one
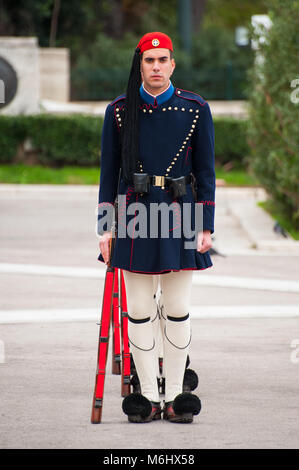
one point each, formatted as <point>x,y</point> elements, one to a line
<point>158,149</point>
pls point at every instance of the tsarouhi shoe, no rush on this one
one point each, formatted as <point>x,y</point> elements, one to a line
<point>141,410</point>
<point>190,380</point>
<point>182,408</point>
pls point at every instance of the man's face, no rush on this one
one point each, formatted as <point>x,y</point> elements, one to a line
<point>156,68</point>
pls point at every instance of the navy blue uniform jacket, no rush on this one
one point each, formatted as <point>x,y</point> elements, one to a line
<point>176,138</point>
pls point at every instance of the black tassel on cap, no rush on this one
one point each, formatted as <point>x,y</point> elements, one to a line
<point>130,135</point>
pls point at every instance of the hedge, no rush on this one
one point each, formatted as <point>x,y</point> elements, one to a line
<point>75,140</point>
<point>231,141</point>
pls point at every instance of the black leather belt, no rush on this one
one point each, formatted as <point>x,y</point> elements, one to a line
<point>177,186</point>
<point>156,180</point>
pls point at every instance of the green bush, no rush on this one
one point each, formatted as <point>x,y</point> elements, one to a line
<point>230,141</point>
<point>274,115</point>
<point>12,134</point>
<point>71,140</point>
<point>54,140</point>
<point>75,140</point>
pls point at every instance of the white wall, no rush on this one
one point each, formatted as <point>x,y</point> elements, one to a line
<point>54,73</point>
<point>22,54</point>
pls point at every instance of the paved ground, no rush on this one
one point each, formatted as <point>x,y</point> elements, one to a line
<point>248,387</point>
<point>245,330</point>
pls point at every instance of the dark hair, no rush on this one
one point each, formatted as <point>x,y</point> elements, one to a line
<point>130,129</point>
<point>130,134</point>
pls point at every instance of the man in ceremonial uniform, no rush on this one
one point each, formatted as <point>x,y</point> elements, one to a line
<point>157,142</point>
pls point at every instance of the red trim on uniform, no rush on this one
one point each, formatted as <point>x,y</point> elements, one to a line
<point>117,100</point>
<point>106,203</point>
<point>190,99</point>
<point>209,203</point>
<point>147,106</point>
<point>129,193</point>
<point>160,272</point>
<point>189,148</point>
<point>177,214</point>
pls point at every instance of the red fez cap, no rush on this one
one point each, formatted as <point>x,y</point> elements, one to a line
<point>153,40</point>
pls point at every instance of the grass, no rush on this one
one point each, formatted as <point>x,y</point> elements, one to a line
<point>273,210</point>
<point>37,174</point>
<point>236,177</point>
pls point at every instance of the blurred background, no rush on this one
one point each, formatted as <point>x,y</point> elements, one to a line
<point>62,61</point>
<point>101,36</point>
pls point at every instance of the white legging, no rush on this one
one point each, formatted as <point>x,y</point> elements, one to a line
<point>143,324</point>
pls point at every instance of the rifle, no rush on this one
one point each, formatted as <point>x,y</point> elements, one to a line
<point>120,362</point>
<point>115,313</point>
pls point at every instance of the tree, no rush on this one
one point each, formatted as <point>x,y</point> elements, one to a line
<point>198,9</point>
<point>54,23</point>
<point>274,111</point>
<point>232,13</point>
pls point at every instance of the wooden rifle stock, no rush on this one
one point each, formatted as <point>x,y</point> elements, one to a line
<point>114,290</point>
<point>107,304</point>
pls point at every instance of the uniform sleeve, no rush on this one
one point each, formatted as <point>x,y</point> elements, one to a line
<point>110,165</point>
<point>203,165</point>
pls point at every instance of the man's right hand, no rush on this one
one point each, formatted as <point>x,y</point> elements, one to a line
<point>104,245</point>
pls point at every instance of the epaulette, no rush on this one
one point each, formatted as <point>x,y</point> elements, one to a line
<point>119,98</point>
<point>189,95</point>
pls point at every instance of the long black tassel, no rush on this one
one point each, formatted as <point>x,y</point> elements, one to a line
<point>130,135</point>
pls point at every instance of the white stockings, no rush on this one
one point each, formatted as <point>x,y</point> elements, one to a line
<point>146,341</point>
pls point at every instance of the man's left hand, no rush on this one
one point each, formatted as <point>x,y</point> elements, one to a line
<point>204,241</point>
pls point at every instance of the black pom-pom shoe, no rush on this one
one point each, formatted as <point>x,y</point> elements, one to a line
<point>182,408</point>
<point>141,410</point>
<point>190,380</point>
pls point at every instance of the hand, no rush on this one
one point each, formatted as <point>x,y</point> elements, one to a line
<point>104,245</point>
<point>204,241</point>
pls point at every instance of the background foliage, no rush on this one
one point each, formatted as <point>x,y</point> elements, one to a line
<point>274,116</point>
<point>102,35</point>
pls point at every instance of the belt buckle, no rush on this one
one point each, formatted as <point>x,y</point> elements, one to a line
<point>159,180</point>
